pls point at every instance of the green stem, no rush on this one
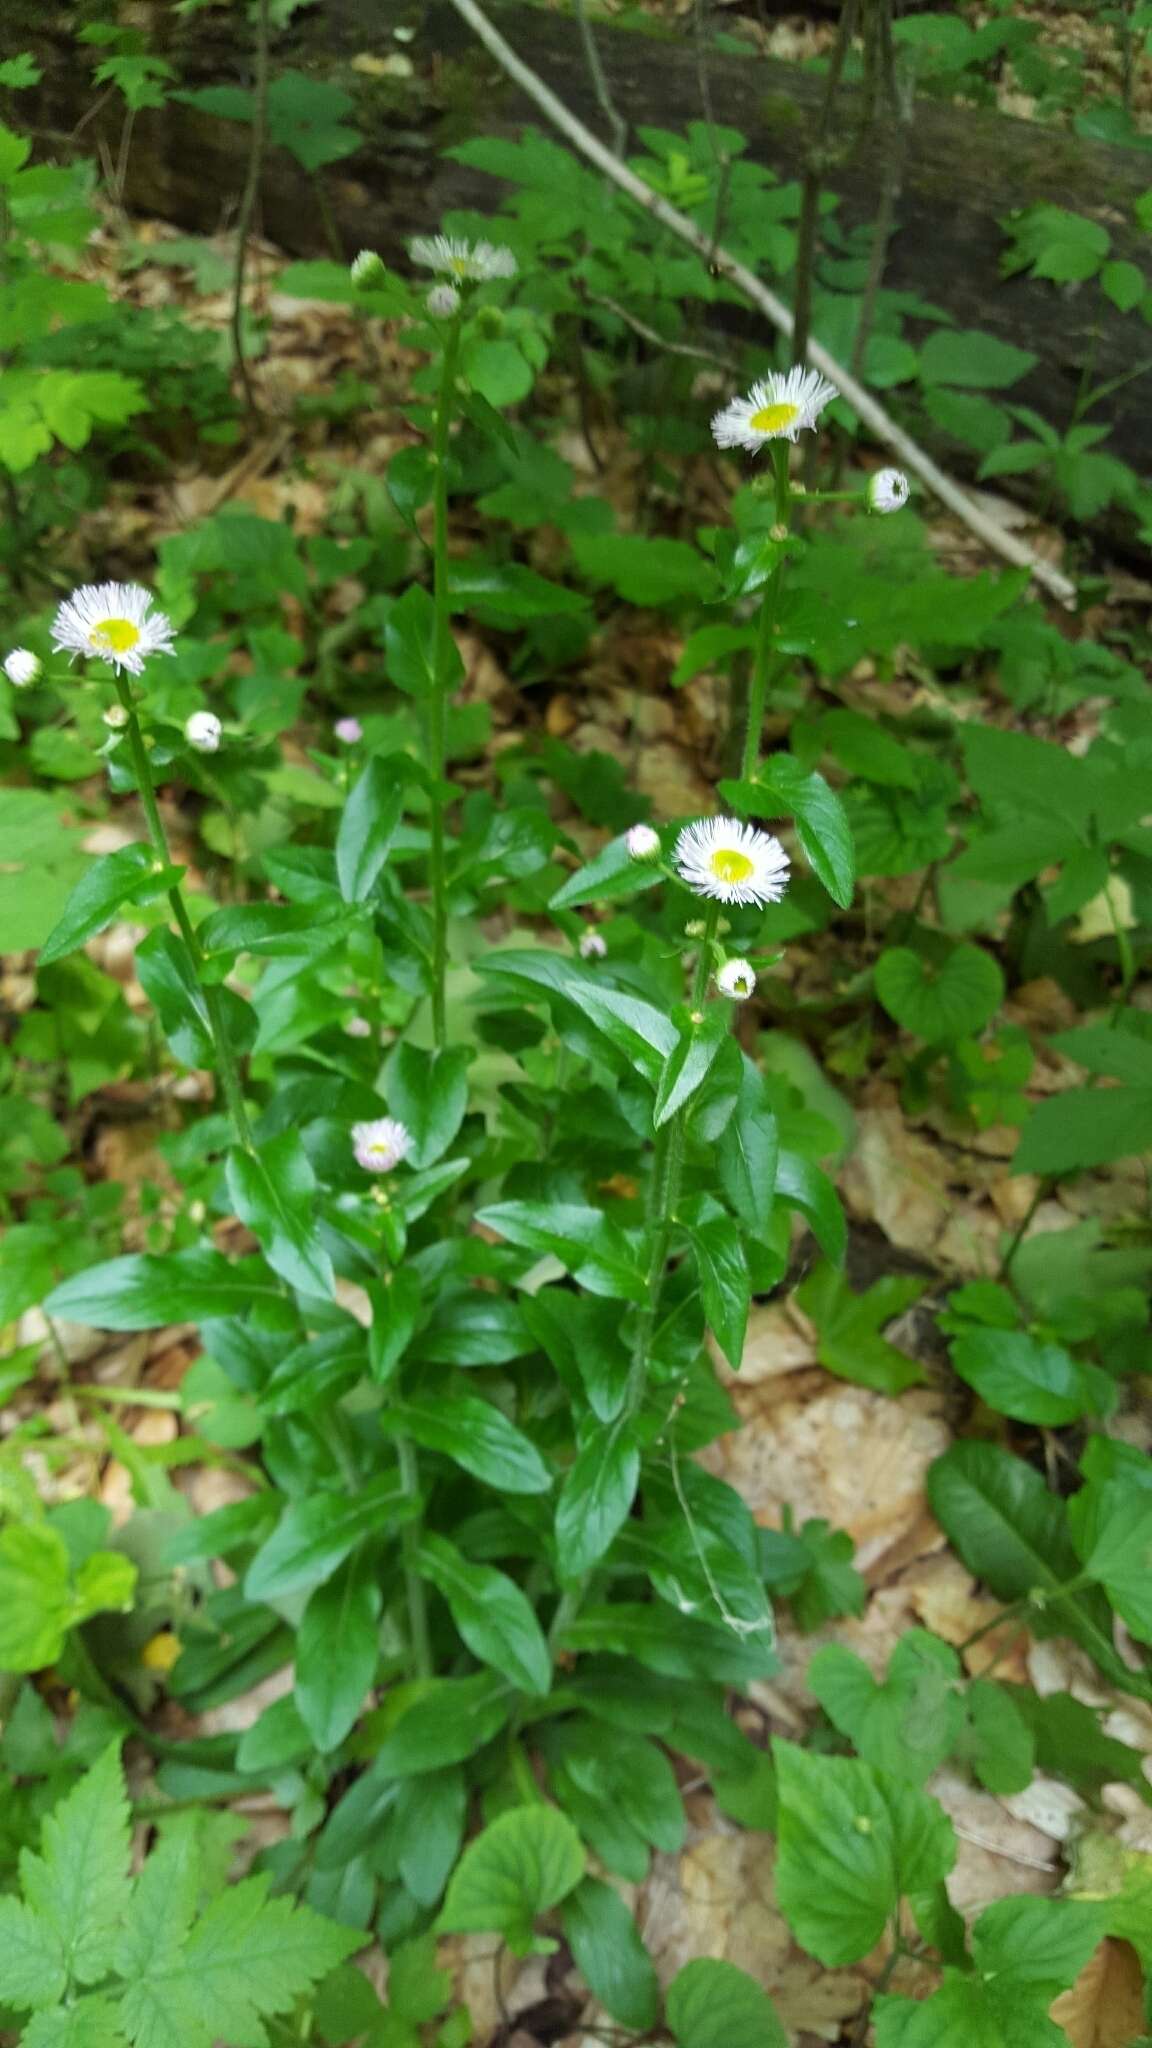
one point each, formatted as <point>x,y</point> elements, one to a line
<point>769,611</point>
<point>409,1545</point>
<point>667,1176</point>
<point>225,1062</point>
<point>438,699</point>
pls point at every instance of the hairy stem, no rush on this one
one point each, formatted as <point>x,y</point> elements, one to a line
<point>225,1060</point>
<point>249,197</point>
<point>667,1176</point>
<point>409,1545</point>
<point>438,699</point>
<point>769,612</point>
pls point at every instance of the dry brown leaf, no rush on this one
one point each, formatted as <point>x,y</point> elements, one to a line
<point>1105,2006</point>
<point>998,1856</point>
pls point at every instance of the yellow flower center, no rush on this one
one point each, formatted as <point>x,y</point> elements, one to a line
<point>460,266</point>
<point>728,865</point>
<point>119,635</point>
<point>773,419</point>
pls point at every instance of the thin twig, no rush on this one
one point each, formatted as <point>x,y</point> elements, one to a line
<point>617,125</point>
<point>646,333</point>
<point>872,415</point>
<point>248,200</point>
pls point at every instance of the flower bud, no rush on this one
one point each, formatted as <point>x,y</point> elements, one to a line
<point>203,731</point>
<point>115,718</point>
<point>22,667</point>
<point>368,271</point>
<point>643,843</point>
<point>887,490</point>
<point>443,300</point>
<point>348,731</point>
<point>592,946</point>
<point>737,980</point>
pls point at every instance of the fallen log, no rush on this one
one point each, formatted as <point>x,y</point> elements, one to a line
<point>965,171</point>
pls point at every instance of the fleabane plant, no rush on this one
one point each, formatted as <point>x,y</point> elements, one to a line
<point>512,1181</point>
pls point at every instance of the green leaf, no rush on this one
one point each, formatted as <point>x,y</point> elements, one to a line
<point>395,1307</point>
<point>1030,1381</point>
<point>851,1842</point>
<point>595,1251</point>
<point>493,1616</point>
<point>449,1721</point>
<point>145,1291</point>
<point>428,1829</point>
<point>953,998</point>
<point>712,2004</point>
<point>610,1955</point>
<point>368,826</point>
<point>1038,1944</point>
<point>1111,1527</point>
<point>700,1037</point>
<point>999,1743</point>
<point>428,1091</point>
<point>635,1028</point>
<point>643,571</point>
<point>410,640</point>
<point>611,875</point>
<point>132,875</point>
<point>497,370</point>
<point>1124,283</point>
<point>32,1967</point>
<point>964,2013</point>
<point>1085,1127</point>
<point>78,1885</point>
<point>907,1725</point>
<point>805,1187</point>
<point>747,1157</point>
<point>273,1191</point>
<point>35,1596</point>
<point>92,2022</point>
<point>821,822</point>
<point>14,153</point>
<point>21,71</point>
<point>315,1535</point>
<point>337,1650</point>
<point>475,1435</point>
<point>973,360</point>
<point>248,1958</point>
<point>596,1497</point>
<point>722,1270</point>
<point>850,1325</point>
<point>519,1868</point>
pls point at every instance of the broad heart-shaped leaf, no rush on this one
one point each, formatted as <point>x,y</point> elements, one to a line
<point>850,1325</point>
<point>951,1000</point>
<point>248,1958</point>
<point>643,1034</point>
<point>610,1955</point>
<point>851,1842</point>
<point>700,1036</point>
<point>273,1191</point>
<point>966,2012</point>
<point>146,1290</point>
<point>1112,1530</point>
<point>1042,1944</point>
<point>1032,1382</point>
<point>314,1535</point>
<point>748,1152</point>
<point>596,1497</point>
<point>520,1867</point>
<point>712,2004</point>
<point>492,1614</point>
<point>368,825</point>
<point>822,827</point>
<point>1012,1533</point>
<point>725,1287</point>
<point>475,1435</point>
<point>337,1650</point>
<point>1085,1127</point>
<point>428,1091</point>
<point>594,1250</point>
<point>77,1887</point>
<point>132,875</point>
<point>907,1725</point>
<point>612,874</point>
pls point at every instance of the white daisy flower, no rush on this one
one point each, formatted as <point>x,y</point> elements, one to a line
<point>443,300</point>
<point>381,1145</point>
<point>368,268</point>
<point>887,490</point>
<point>733,862</point>
<point>203,731</point>
<point>467,262</point>
<point>776,408</point>
<point>592,946</point>
<point>114,621</point>
<point>21,667</point>
<point>737,979</point>
<point>642,843</point>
